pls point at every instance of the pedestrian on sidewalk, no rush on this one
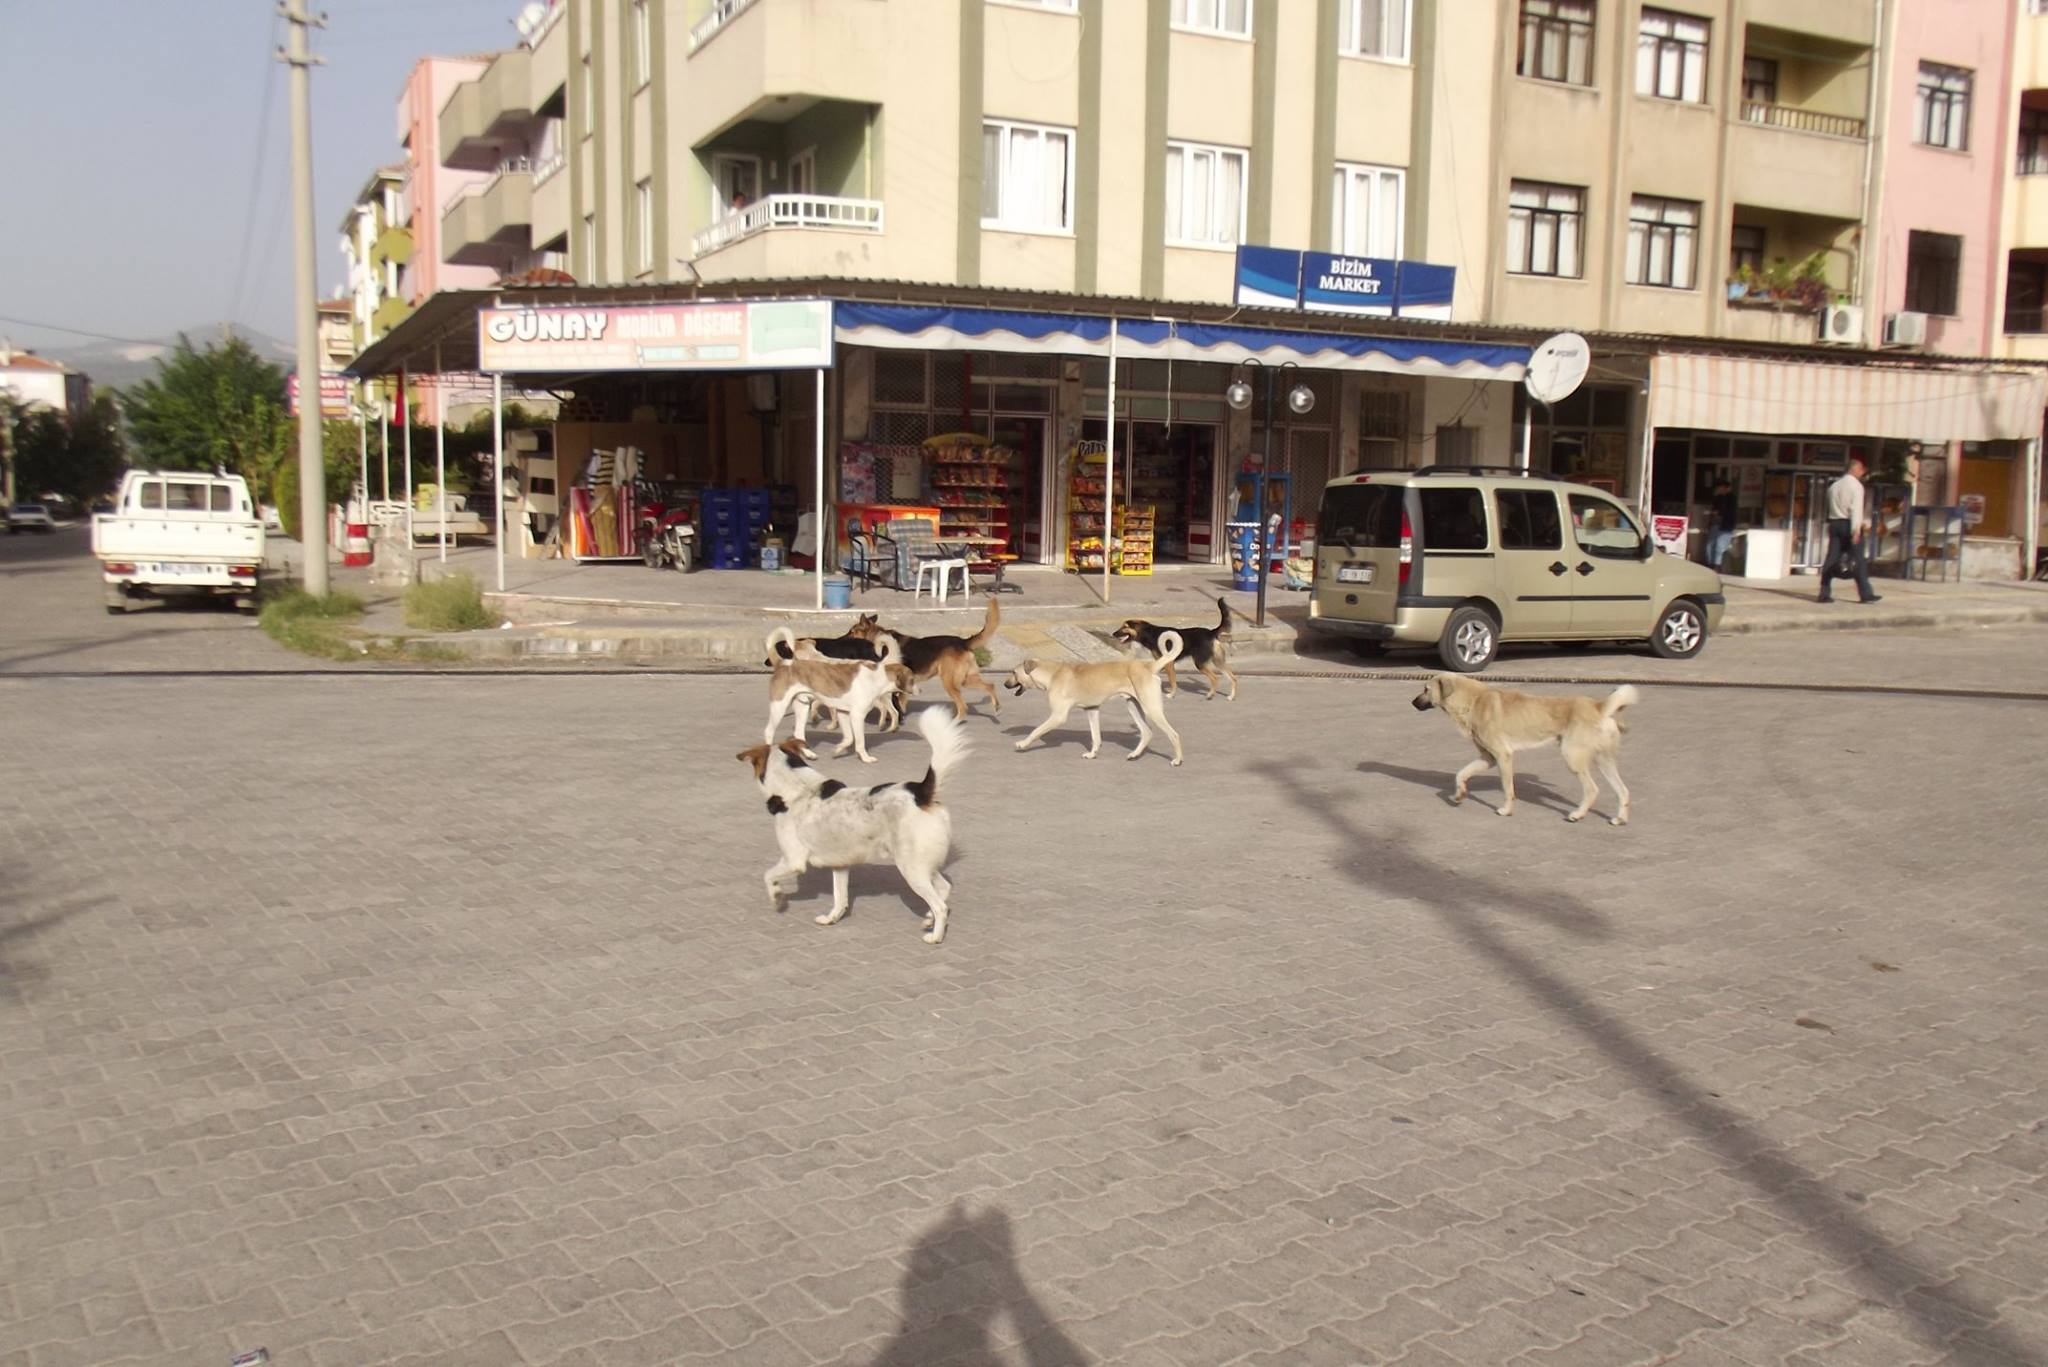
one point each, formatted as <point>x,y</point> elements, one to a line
<point>1845,531</point>
<point>1723,534</point>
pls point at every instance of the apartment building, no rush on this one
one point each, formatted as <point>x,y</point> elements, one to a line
<point>1698,187</point>
<point>2023,291</point>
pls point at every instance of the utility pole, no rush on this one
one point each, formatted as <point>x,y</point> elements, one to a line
<point>312,468</point>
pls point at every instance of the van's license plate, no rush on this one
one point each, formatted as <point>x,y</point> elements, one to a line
<point>1354,574</point>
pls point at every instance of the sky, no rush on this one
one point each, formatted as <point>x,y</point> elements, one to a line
<point>148,142</point>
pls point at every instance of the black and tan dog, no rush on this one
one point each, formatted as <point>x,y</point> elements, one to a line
<point>1203,647</point>
<point>949,659</point>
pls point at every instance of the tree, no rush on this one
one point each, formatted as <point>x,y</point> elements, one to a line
<point>221,408</point>
<point>79,457</point>
<point>338,453</point>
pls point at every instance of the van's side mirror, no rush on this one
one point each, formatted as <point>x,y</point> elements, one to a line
<point>1649,549</point>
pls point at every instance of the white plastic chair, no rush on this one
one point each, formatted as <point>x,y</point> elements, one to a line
<point>942,574</point>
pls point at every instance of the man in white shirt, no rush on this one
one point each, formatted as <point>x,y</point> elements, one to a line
<point>1845,530</point>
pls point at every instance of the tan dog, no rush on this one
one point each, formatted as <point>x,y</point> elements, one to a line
<point>1089,686</point>
<point>848,689</point>
<point>1500,721</point>
<point>949,659</point>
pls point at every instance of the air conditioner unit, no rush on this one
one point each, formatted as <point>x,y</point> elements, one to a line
<point>1841,325</point>
<point>1905,329</point>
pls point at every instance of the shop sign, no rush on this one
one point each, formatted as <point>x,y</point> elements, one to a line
<point>1330,282</point>
<point>1669,534</point>
<point>774,334</point>
<point>1973,509</point>
<point>333,394</point>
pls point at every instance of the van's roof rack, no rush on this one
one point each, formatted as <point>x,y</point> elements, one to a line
<point>1478,470</point>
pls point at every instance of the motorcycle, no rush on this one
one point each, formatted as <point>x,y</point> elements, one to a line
<point>669,541</point>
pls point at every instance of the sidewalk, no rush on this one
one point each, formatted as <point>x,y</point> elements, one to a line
<point>567,612</point>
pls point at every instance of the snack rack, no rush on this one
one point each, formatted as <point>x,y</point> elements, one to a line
<point>970,483</point>
<point>1086,491</point>
<point>1134,531</point>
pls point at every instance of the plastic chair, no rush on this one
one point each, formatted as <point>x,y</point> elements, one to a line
<point>918,545</point>
<point>866,560</point>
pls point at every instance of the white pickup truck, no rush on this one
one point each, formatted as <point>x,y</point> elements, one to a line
<point>179,533</point>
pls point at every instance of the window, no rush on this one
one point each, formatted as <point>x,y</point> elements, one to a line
<point>803,172</point>
<point>2033,141</point>
<point>1759,80</point>
<point>1373,28</point>
<point>2026,296</point>
<point>1360,515</point>
<point>1453,519</point>
<point>1544,228</point>
<point>1671,56</point>
<point>643,45</point>
<point>1557,41</point>
<point>223,498</point>
<point>1365,213</point>
<point>1663,242</point>
<point>187,497</point>
<point>1932,263</point>
<point>1025,174</point>
<point>1746,247</point>
<point>1941,107</point>
<point>643,225</point>
<point>1204,194</point>
<point>1605,529</point>
<point>152,495</point>
<point>1214,16</point>
<point>1528,520</point>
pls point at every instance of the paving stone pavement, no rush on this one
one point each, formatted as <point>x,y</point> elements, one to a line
<point>443,1020</point>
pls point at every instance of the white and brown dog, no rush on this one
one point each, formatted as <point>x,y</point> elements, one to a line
<point>849,689</point>
<point>1089,686</point>
<point>823,823</point>
<point>1500,721</point>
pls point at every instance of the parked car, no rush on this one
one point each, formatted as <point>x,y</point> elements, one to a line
<point>180,534</point>
<point>30,517</point>
<point>1470,557</point>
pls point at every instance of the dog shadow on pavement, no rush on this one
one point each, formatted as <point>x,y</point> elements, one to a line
<point>1442,783</point>
<point>963,1274</point>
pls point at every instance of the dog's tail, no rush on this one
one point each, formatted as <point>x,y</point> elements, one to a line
<point>1618,699</point>
<point>988,624</point>
<point>1223,623</point>
<point>781,645</point>
<point>948,739</point>
<point>889,650</point>
<point>1169,650</point>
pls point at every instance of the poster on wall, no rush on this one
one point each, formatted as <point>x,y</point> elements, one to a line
<point>1669,534</point>
<point>778,334</point>
<point>1973,509</point>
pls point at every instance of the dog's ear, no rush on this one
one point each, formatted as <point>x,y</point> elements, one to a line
<point>756,755</point>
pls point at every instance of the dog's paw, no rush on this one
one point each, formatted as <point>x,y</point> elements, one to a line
<point>1176,764</point>
<point>1574,817</point>
<point>930,921</point>
<point>1023,745</point>
<point>825,920</point>
<point>1617,821</point>
<point>1457,798</point>
<point>933,937</point>
<point>1503,811</point>
<point>867,759</point>
<point>1087,754</point>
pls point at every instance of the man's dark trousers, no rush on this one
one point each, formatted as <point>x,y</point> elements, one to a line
<point>1842,545</point>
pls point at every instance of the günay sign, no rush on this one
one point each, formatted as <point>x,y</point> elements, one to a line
<point>736,335</point>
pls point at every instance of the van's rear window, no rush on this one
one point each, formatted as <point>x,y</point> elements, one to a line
<point>1363,515</point>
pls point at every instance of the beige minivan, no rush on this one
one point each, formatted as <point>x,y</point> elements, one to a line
<point>1468,558</point>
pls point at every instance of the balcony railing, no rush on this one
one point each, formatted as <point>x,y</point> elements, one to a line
<point>721,13</point>
<point>1802,120</point>
<point>545,168</point>
<point>547,24</point>
<point>510,166</point>
<point>790,211</point>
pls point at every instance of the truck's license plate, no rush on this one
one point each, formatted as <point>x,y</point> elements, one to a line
<point>1354,574</point>
<point>173,567</point>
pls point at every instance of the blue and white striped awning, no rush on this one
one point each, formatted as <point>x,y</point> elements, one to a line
<point>964,329</point>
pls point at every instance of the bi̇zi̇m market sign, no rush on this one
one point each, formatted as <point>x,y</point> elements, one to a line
<point>775,334</point>
<point>1328,282</point>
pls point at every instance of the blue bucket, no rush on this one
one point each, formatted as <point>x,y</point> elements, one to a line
<point>838,592</point>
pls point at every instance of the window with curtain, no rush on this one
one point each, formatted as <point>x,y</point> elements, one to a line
<point>1546,224</point>
<point>1671,56</point>
<point>1663,242</point>
<point>2033,151</point>
<point>1941,107</point>
<point>1746,247</point>
<point>1214,16</point>
<point>1557,41</point>
<point>1027,173</point>
<point>1204,194</point>
<point>1366,211</point>
<point>1759,80</point>
<point>1373,28</point>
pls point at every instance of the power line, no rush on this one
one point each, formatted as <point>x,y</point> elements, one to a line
<point>83,332</point>
<point>255,173</point>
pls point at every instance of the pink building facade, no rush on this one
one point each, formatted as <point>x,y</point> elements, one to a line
<point>430,183</point>
<point>1945,148</point>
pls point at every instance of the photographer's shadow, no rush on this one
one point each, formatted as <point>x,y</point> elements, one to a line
<point>963,1273</point>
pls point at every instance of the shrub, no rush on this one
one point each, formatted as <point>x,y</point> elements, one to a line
<point>312,626</point>
<point>455,603</point>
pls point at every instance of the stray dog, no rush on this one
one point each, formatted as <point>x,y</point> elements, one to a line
<point>1089,686</point>
<point>1500,721</point>
<point>784,644</point>
<point>1203,647</point>
<point>848,689</point>
<point>824,823</point>
<point>950,659</point>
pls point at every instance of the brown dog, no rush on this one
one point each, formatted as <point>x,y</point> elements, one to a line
<point>949,659</point>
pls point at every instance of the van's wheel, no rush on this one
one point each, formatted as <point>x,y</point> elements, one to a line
<point>1469,641</point>
<point>1681,631</point>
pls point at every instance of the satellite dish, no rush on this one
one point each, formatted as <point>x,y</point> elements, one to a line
<point>1557,367</point>
<point>529,18</point>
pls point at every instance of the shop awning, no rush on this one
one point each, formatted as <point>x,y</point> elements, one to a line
<point>940,328</point>
<point>1789,398</point>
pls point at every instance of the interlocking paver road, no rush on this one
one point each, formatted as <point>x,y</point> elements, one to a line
<point>443,1020</point>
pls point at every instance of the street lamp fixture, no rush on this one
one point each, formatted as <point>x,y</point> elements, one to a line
<point>1300,400</point>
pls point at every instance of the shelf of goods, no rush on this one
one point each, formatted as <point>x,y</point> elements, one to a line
<point>1164,487</point>
<point>1085,491</point>
<point>1134,529</point>
<point>970,483</point>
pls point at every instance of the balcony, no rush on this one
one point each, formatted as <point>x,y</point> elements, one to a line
<point>1783,165</point>
<point>389,314</point>
<point>487,114</point>
<point>790,211</point>
<point>393,244</point>
<point>721,13</point>
<point>1802,120</point>
<point>487,223</point>
<point>774,60</point>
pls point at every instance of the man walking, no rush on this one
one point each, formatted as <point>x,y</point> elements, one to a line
<point>1845,530</point>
